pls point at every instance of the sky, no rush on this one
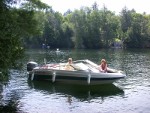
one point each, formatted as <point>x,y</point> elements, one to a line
<point>62,6</point>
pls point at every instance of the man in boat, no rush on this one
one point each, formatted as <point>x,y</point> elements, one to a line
<point>69,66</point>
<point>103,66</point>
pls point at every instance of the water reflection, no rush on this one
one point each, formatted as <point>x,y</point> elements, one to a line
<point>22,96</point>
<point>82,92</point>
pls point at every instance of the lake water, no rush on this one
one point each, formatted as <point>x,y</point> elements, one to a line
<point>129,95</point>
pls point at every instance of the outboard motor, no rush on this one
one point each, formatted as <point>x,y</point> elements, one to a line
<point>31,65</point>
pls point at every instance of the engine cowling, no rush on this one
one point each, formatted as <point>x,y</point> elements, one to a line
<point>31,65</point>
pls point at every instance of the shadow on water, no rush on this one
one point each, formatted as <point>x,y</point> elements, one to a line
<point>82,92</point>
<point>10,108</point>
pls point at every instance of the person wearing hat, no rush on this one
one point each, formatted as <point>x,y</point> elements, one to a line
<point>69,66</point>
<point>103,66</point>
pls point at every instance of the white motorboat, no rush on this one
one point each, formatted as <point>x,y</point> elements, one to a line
<point>85,72</point>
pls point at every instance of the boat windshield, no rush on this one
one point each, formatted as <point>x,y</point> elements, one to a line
<point>87,67</point>
<point>82,66</point>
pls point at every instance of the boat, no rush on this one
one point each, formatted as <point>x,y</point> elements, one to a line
<point>85,72</point>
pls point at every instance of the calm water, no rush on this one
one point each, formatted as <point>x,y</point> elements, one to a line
<point>129,95</point>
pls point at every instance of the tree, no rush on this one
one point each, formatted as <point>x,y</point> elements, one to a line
<point>14,24</point>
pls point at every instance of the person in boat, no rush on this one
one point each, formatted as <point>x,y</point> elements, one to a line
<point>103,66</point>
<point>69,66</point>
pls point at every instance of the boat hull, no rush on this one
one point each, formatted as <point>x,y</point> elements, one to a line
<point>74,77</point>
<point>84,72</point>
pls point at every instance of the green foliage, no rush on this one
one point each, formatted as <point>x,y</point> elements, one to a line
<point>91,28</point>
<point>14,24</point>
<point>135,29</point>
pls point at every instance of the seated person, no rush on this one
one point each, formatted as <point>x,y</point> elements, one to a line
<point>103,66</point>
<point>69,66</point>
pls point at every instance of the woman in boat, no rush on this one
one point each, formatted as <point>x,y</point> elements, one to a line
<point>103,66</point>
<point>69,66</point>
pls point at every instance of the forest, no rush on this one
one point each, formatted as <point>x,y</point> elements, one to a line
<point>29,24</point>
<point>90,28</point>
